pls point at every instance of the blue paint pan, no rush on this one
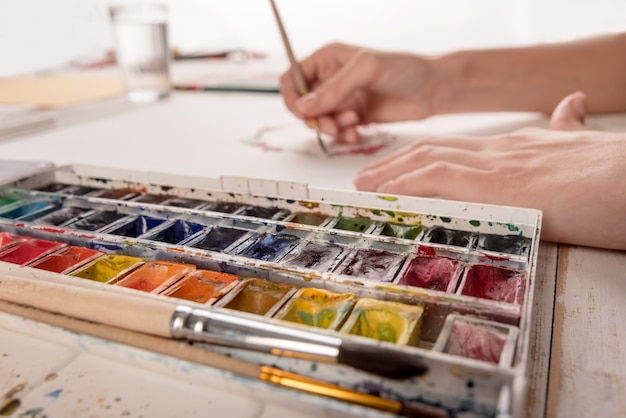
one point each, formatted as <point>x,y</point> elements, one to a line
<point>175,232</point>
<point>135,226</point>
<point>27,209</point>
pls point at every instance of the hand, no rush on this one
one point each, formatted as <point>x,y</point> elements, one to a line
<point>353,86</point>
<point>575,176</point>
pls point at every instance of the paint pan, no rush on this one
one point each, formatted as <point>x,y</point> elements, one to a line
<point>151,198</point>
<point>27,209</point>
<point>68,189</point>
<point>53,187</point>
<point>78,190</point>
<point>508,244</point>
<point>269,247</point>
<point>435,273</point>
<point>219,239</point>
<point>318,256</point>
<point>135,226</point>
<point>7,239</point>
<point>203,286</point>
<point>495,283</point>
<point>373,264</point>
<point>224,207</point>
<point>257,296</point>
<point>478,339</point>
<point>441,235</point>
<point>244,223</point>
<point>318,308</point>
<point>271,212</point>
<point>361,225</point>
<point>175,232</point>
<point>389,229</point>
<point>6,201</point>
<point>306,218</point>
<point>109,268</point>
<point>96,221</point>
<point>28,250</point>
<point>61,216</point>
<point>66,260</point>
<point>155,276</point>
<point>116,194</point>
<point>181,202</point>
<point>394,322</point>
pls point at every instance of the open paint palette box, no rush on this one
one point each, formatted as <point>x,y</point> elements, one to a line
<point>449,283</point>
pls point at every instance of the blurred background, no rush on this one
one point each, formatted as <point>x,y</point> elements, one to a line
<point>41,35</point>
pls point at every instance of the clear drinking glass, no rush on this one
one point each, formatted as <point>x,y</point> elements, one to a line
<point>142,50</point>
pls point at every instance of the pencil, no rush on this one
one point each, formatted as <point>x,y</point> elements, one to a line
<point>296,71</point>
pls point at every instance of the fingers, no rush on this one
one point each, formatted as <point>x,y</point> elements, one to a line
<point>332,124</point>
<point>411,159</point>
<point>359,71</point>
<point>289,92</point>
<point>347,118</point>
<point>316,68</point>
<point>342,127</point>
<point>461,142</point>
<point>347,122</point>
<point>441,179</point>
<point>569,115</point>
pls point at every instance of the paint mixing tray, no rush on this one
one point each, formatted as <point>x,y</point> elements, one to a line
<point>450,283</point>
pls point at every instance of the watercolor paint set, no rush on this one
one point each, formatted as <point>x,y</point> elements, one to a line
<point>449,284</point>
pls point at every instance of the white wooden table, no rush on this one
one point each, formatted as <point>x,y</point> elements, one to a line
<point>578,335</point>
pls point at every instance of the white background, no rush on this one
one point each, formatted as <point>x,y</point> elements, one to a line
<point>38,35</point>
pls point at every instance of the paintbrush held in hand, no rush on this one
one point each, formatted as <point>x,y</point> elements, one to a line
<point>296,71</point>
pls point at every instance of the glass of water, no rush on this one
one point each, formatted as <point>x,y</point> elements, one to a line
<point>142,50</point>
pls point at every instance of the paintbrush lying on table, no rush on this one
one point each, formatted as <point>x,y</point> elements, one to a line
<point>184,351</point>
<point>123,309</point>
<point>298,76</point>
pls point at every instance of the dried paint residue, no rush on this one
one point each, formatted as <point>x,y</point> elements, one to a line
<point>202,286</point>
<point>318,308</point>
<point>258,296</point>
<point>436,273</point>
<point>495,283</point>
<point>476,341</point>
<point>107,267</point>
<point>386,321</point>
<point>155,275</point>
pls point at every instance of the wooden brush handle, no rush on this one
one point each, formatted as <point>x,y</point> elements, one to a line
<point>298,77</point>
<point>134,321</point>
<point>118,309</point>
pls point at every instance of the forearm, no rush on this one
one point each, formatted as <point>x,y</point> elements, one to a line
<point>534,78</point>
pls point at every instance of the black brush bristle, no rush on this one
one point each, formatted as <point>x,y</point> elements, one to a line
<point>386,362</point>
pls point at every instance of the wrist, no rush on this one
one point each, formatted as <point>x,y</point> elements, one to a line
<point>446,75</point>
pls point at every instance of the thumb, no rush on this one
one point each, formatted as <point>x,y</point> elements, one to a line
<point>569,115</point>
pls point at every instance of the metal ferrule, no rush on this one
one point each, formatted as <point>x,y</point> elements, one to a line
<point>230,330</point>
<point>187,321</point>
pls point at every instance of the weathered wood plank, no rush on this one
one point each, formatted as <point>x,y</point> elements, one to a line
<point>588,367</point>
<point>541,330</point>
